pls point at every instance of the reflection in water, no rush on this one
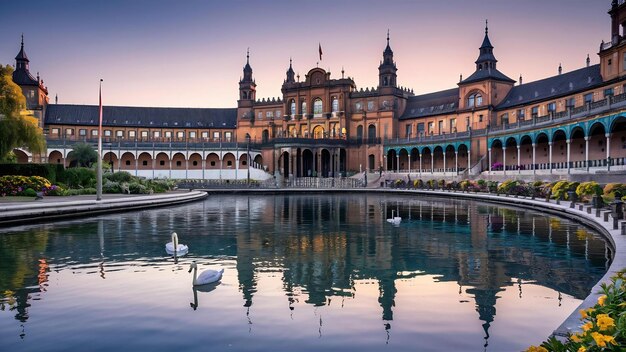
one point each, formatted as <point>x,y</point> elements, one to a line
<point>203,288</point>
<point>313,250</point>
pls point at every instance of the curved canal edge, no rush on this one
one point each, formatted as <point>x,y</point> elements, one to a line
<point>581,213</point>
<point>26,213</point>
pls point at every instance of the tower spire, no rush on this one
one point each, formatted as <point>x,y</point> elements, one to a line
<point>486,27</point>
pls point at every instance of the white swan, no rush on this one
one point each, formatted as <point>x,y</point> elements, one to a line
<point>206,277</point>
<point>395,220</point>
<point>174,247</point>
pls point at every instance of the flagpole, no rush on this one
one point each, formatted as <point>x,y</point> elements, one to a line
<point>99,171</point>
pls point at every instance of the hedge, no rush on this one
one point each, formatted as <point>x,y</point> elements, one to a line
<point>51,172</point>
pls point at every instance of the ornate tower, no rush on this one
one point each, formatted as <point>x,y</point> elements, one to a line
<point>486,60</point>
<point>387,70</point>
<point>247,86</point>
<point>290,74</point>
<point>33,88</point>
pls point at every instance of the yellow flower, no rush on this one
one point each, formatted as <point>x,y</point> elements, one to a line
<point>587,326</point>
<point>576,338</point>
<point>601,300</point>
<point>582,349</point>
<point>604,322</point>
<point>601,340</point>
<point>536,349</point>
<point>583,314</point>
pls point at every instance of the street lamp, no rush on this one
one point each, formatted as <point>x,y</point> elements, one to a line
<point>248,157</point>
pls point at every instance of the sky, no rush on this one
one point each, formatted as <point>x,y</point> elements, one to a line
<point>191,53</point>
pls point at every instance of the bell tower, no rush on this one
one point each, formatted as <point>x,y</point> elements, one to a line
<point>387,71</point>
<point>247,86</point>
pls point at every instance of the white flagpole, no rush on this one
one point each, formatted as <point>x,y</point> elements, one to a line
<point>99,171</point>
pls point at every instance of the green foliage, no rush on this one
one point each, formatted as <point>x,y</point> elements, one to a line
<point>111,187</point>
<point>16,129</point>
<point>586,190</point>
<point>83,154</point>
<point>613,191</point>
<point>431,184</point>
<point>418,183</point>
<point>138,188</point>
<point>79,177</point>
<point>29,192</point>
<point>49,171</point>
<point>56,191</point>
<point>161,185</point>
<point>119,177</point>
<point>560,189</point>
<point>82,191</point>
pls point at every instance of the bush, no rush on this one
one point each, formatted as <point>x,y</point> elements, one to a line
<point>613,191</point>
<point>14,185</point>
<point>82,191</point>
<point>52,172</point>
<point>120,176</point>
<point>56,191</point>
<point>418,183</point>
<point>29,192</point>
<point>80,177</point>
<point>111,187</point>
<point>137,188</point>
<point>604,327</point>
<point>160,186</point>
<point>560,189</point>
<point>586,190</point>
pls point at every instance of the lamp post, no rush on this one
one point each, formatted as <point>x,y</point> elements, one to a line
<point>99,170</point>
<point>248,157</point>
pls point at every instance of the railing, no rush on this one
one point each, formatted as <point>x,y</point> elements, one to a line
<point>317,182</point>
<point>579,164</point>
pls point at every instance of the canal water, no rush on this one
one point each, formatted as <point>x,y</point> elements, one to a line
<point>323,272</point>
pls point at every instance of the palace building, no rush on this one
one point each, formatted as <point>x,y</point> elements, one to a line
<point>324,126</point>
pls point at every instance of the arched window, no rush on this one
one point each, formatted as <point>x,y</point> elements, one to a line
<point>303,108</point>
<point>475,99</point>
<point>385,81</point>
<point>371,132</point>
<point>292,107</point>
<point>335,104</point>
<point>359,132</point>
<point>317,106</point>
<point>265,136</point>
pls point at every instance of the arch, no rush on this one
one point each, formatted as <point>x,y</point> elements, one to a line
<point>162,161</point>
<point>596,128</point>
<point>128,161</point>
<point>195,161</point>
<point>359,132</point>
<point>335,104</point>
<point>318,106</point>
<point>308,165</point>
<point>20,156</point>
<point>284,161</point>
<point>110,158</point>
<point>391,160</point>
<point>559,148</point>
<point>228,161</point>
<point>618,124</point>
<point>371,162</point>
<point>414,157</point>
<point>243,161</point>
<point>318,132</point>
<point>474,98</point>
<point>212,161</point>
<point>55,157</point>
<point>404,159</point>
<point>511,142</point>
<point>438,155</point>
<point>178,161</point>
<point>265,136</point>
<point>427,159</point>
<point>618,140</point>
<point>292,107</point>
<point>258,160</point>
<point>325,162</point>
<point>449,157</point>
<point>144,161</point>
<point>371,132</point>
<point>495,143</point>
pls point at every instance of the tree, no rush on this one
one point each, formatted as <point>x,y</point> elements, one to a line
<point>83,154</point>
<point>17,128</point>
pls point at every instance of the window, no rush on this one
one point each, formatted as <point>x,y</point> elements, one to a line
<point>107,133</point>
<point>534,112</point>
<point>441,126</point>
<point>216,136</point>
<point>570,103</point>
<point>144,134</point>
<point>157,134</point>
<point>168,134</point>
<point>278,112</point>
<point>82,132</point>
<point>260,115</point>
<point>292,107</point>
<point>144,163</point>
<point>335,104</point>
<point>55,131</point>
<point>162,162</point>
<point>69,131</point>
<point>504,119</point>
<point>608,92</point>
<point>467,123</point>
<point>269,114</point>
<point>119,134</point>
<point>475,99</point>
<point>480,118</point>
<point>521,114</point>
<point>132,134</point>
<point>192,134</point>
<point>303,108</point>
<point>588,98</point>
<point>408,131</point>
<point>317,107</point>
<point>178,163</point>
<point>551,107</point>
<point>127,162</point>
<point>452,125</point>
<point>180,135</point>
<point>431,127</point>
<point>229,163</point>
<point>358,106</point>
<point>94,133</point>
<point>212,163</point>
<point>228,136</point>
<point>205,135</point>
<point>370,105</point>
<point>420,128</point>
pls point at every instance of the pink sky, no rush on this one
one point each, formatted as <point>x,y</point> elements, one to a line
<point>191,54</point>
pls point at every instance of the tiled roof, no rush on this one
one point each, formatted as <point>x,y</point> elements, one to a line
<point>443,102</point>
<point>142,116</point>
<point>552,87</point>
<point>24,78</point>
<point>487,73</point>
